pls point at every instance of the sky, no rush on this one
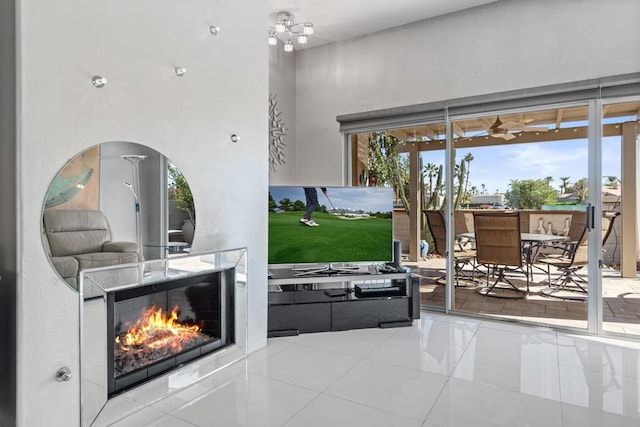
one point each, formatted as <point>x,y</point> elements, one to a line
<point>496,166</point>
<point>369,199</point>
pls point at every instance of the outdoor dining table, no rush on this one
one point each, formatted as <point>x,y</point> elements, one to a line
<point>533,238</point>
<point>534,242</point>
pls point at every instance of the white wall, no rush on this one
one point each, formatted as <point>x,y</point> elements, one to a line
<point>135,45</point>
<point>507,45</point>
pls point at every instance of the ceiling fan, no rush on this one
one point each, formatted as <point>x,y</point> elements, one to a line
<point>504,130</point>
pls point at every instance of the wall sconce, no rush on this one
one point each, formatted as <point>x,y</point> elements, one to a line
<point>180,71</point>
<point>214,30</point>
<point>98,81</point>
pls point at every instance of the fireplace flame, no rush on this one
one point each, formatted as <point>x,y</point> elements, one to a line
<point>155,329</point>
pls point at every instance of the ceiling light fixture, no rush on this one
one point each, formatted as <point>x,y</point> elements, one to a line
<point>290,30</point>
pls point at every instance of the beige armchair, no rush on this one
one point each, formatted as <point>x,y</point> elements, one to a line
<point>80,239</point>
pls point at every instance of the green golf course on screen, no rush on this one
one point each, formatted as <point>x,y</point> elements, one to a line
<point>346,224</point>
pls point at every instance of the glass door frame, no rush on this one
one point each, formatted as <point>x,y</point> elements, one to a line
<point>591,93</point>
<point>593,158</point>
<point>594,219</point>
<point>595,308</point>
<point>595,152</point>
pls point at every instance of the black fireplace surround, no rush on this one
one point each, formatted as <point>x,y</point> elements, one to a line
<point>205,300</point>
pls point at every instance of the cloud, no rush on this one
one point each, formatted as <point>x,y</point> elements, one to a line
<point>551,159</point>
<point>495,166</point>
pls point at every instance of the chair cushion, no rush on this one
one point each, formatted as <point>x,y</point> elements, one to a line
<point>104,259</point>
<point>558,262</point>
<point>66,266</point>
<point>75,232</point>
<point>120,247</point>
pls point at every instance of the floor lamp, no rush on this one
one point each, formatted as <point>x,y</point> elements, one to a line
<point>135,190</point>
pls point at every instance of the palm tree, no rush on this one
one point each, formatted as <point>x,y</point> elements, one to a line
<point>548,180</point>
<point>564,184</point>
<point>431,169</point>
<point>612,180</point>
<point>581,187</point>
<point>467,158</point>
<point>483,187</point>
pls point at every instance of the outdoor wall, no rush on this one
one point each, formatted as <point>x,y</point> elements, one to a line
<point>506,45</point>
<point>282,83</point>
<point>135,46</point>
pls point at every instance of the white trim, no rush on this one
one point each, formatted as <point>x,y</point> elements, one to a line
<point>594,286</point>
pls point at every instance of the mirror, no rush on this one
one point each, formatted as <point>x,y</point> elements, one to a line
<point>116,202</point>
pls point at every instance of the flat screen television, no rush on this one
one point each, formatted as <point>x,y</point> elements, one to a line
<point>354,224</point>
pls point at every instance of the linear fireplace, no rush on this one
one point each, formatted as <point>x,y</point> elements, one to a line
<point>152,328</point>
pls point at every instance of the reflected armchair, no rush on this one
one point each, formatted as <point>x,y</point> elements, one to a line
<point>76,240</point>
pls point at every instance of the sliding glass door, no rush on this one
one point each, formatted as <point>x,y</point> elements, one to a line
<point>570,172</point>
<point>620,290</point>
<point>531,164</point>
<point>409,159</point>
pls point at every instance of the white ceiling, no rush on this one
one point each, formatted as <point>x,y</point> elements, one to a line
<point>336,20</point>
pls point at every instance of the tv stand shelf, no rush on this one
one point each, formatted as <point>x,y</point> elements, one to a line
<point>340,301</point>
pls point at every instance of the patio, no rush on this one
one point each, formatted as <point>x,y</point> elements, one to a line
<point>621,299</point>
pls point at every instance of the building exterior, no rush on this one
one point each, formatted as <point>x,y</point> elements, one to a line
<point>491,200</point>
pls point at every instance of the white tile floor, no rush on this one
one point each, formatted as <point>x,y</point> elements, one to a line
<point>443,371</point>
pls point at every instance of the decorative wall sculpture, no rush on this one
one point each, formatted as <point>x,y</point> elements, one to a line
<point>277,133</point>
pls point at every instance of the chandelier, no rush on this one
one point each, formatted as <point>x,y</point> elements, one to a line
<point>287,29</point>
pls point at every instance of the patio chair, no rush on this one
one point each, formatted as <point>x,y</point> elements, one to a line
<point>569,284</point>
<point>608,220</point>
<point>462,257</point>
<point>460,224</point>
<point>499,248</point>
<point>561,249</point>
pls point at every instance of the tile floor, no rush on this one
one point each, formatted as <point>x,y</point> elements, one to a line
<point>442,371</point>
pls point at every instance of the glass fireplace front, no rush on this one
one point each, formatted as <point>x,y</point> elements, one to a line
<point>152,320</point>
<point>157,327</point>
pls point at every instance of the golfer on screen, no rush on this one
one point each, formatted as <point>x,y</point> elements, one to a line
<point>311,195</point>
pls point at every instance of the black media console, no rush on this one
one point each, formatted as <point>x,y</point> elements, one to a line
<point>338,301</point>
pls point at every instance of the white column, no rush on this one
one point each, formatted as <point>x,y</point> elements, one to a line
<point>629,205</point>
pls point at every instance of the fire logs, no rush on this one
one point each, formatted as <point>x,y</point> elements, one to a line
<point>153,337</point>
